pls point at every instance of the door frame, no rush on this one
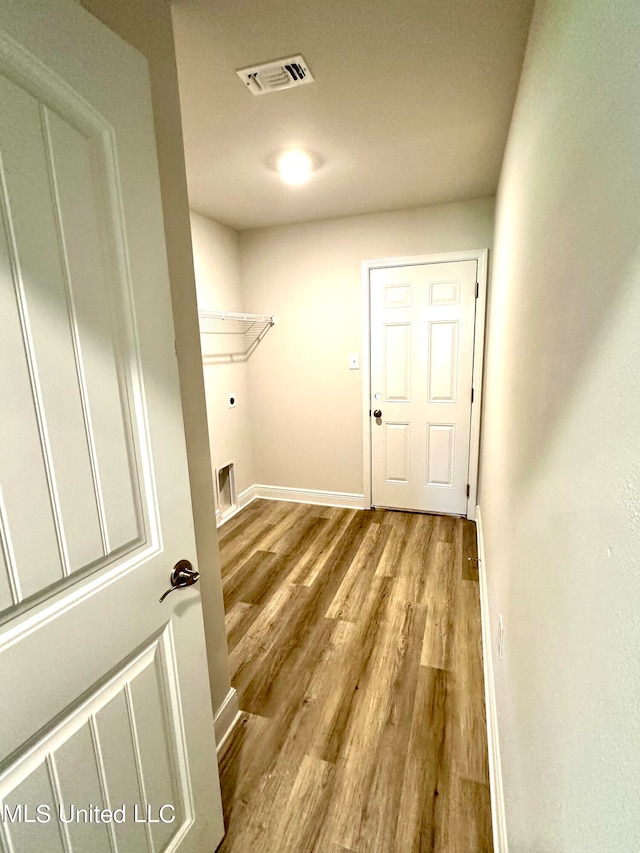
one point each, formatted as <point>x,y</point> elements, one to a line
<point>482,257</point>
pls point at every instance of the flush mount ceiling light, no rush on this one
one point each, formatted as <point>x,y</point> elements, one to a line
<point>295,165</point>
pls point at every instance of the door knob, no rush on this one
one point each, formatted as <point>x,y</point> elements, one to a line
<point>377,413</point>
<point>183,575</point>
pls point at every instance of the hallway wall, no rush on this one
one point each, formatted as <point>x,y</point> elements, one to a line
<point>217,269</point>
<point>560,459</point>
<point>307,403</point>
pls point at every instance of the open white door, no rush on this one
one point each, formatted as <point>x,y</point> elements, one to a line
<point>422,354</point>
<point>107,740</point>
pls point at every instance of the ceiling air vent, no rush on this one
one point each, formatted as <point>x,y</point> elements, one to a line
<point>273,76</point>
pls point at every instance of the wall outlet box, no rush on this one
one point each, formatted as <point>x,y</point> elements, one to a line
<point>354,361</point>
<point>233,401</point>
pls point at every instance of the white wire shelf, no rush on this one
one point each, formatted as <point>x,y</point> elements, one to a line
<point>247,330</point>
<point>234,323</point>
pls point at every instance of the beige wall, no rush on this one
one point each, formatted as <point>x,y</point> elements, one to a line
<point>560,466</point>
<point>217,268</point>
<point>146,24</point>
<point>307,409</point>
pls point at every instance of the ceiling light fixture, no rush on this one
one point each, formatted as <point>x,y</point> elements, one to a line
<point>295,165</point>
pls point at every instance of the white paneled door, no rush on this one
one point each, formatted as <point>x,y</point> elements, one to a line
<point>422,349</point>
<point>106,742</point>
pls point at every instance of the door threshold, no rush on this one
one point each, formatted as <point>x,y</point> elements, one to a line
<point>420,511</point>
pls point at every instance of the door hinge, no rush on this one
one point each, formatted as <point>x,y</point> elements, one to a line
<point>477,289</point>
<point>472,395</point>
<point>468,490</point>
<point>369,412</point>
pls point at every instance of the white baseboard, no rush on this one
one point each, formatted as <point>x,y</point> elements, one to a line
<point>282,493</point>
<point>310,496</point>
<point>226,718</point>
<point>498,817</point>
<point>244,499</point>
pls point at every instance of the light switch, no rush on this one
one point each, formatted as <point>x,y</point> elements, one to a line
<point>354,361</point>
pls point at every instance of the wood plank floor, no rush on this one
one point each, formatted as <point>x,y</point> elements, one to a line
<point>355,647</point>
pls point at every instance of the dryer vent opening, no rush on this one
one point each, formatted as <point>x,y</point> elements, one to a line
<point>226,490</point>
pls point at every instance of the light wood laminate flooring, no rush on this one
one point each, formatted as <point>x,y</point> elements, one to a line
<point>355,648</point>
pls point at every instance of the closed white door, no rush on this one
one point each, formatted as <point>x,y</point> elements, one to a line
<point>106,742</point>
<point>422,340</point>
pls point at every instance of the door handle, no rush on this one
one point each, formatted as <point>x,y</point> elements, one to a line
<point>377,413</point>
<point>183,575</point>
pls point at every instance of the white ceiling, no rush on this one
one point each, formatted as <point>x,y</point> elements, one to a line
<point>410,106</point>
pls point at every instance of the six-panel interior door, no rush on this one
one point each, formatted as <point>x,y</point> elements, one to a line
<point>105,699</point>
<point>422,335</point>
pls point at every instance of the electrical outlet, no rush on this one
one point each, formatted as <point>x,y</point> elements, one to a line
<point>500,642</point>
<point>233,401</point>
<point>354,361</point>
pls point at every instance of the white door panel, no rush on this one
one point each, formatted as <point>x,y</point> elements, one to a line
<point>122,742</point>
<point>422,338</point>
<point>105,692</point>
<point>441,446</point>
<point>397,362</point>
<point>60,350</point>
<point>396,453</point>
